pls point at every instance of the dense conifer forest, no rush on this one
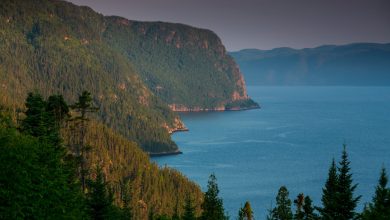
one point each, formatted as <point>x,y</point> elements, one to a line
<point>84,98</point>
<point>56,47</point>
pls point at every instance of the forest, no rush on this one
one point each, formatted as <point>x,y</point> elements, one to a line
<point>56,162</point>
<point>55,47</point>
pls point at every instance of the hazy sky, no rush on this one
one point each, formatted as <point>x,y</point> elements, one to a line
<point>265,24</point>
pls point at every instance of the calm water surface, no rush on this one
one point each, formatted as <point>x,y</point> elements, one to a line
<point>290,141</point>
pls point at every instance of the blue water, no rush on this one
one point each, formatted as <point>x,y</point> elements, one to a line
<point>290,141</point>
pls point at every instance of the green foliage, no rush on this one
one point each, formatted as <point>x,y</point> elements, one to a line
<point>337,198</point>
<point>55,47</point>
<point>181,64</point>
<point>189,210</point>
<point>329,194</point>
<point>308,210</point>
<point>99,200</point>
<point>346,201</point>
<point>58,49</point>
<point>36,180</point>
<point>212,205</point>
<point>379,208</point>
<point>282,211</point>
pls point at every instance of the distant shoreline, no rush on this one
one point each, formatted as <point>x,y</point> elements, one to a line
<point>219,110</point>
<point>161,154</point>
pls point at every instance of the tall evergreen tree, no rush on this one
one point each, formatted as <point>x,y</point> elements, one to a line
<point>329,194</point>
<point>282,211</point>
<point>346,202</point>
<point>212,205</point>
<point>189,209</point>
<point>83,107</point>
<point>379,208</point>
<point>308,210</point>
<point>36,121</point>
<point>337,198</point>
<point>36,181</point>
<point>99,199</point>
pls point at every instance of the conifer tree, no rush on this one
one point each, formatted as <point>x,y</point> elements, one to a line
<point>299,203</point>
<point>337,198</point>
<point>36,121</point>
<point>346,202</point>
<point>189,210</point>
<point>99,199</point>
<point>379,208</point>
<point>308,210</point>
<point>212,205</point>
<point>282,211</point>
<point>329,193</point>
<point>83,107</point>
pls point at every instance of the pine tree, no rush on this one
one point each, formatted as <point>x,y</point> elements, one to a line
<point>329,193</point>
<point>189,210</point>
<point>379,208</point>
<point>282,211</point>
<point>346,202</point>
<point>212,205</point>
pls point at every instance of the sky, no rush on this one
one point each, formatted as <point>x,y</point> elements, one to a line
<point>265,24</point>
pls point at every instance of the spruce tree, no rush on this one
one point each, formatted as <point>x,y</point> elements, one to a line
<point>189,209</point>
<point>346,202</point>
<point>308,210</point>
<point>99,199</point>
<point>379,208</point>
<point>282,211</point>
<point>36,120</point>
<point>212,205</point>
<point>329,194</point>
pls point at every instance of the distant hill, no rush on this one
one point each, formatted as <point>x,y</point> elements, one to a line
<point>138,72</point>
<point>353,64</point>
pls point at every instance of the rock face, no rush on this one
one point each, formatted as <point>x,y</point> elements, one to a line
<point>186,67</point>
<point>133,69</point>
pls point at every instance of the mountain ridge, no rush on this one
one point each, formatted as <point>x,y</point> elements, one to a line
<point>350,64</point>
<point>54,47</point>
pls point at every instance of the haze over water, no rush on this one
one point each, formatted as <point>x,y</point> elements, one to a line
<point>290,141</point>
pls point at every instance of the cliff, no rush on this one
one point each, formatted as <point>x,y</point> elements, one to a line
<point>183,65</point>
<point>135,70</point>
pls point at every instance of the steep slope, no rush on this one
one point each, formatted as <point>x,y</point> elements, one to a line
<point>354,64</point>
<point>161,190</point>
<point>57,47</point>
<point>187,67</point>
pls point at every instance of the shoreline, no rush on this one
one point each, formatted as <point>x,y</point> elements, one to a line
<point>162,154</point>
<point>218,110</point>
<point>185,129</point>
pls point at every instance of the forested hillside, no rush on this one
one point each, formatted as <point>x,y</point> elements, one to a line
<point>361,64</point>
<point>57,47</point>
<point>58,155</point>
<point>187,67</point>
